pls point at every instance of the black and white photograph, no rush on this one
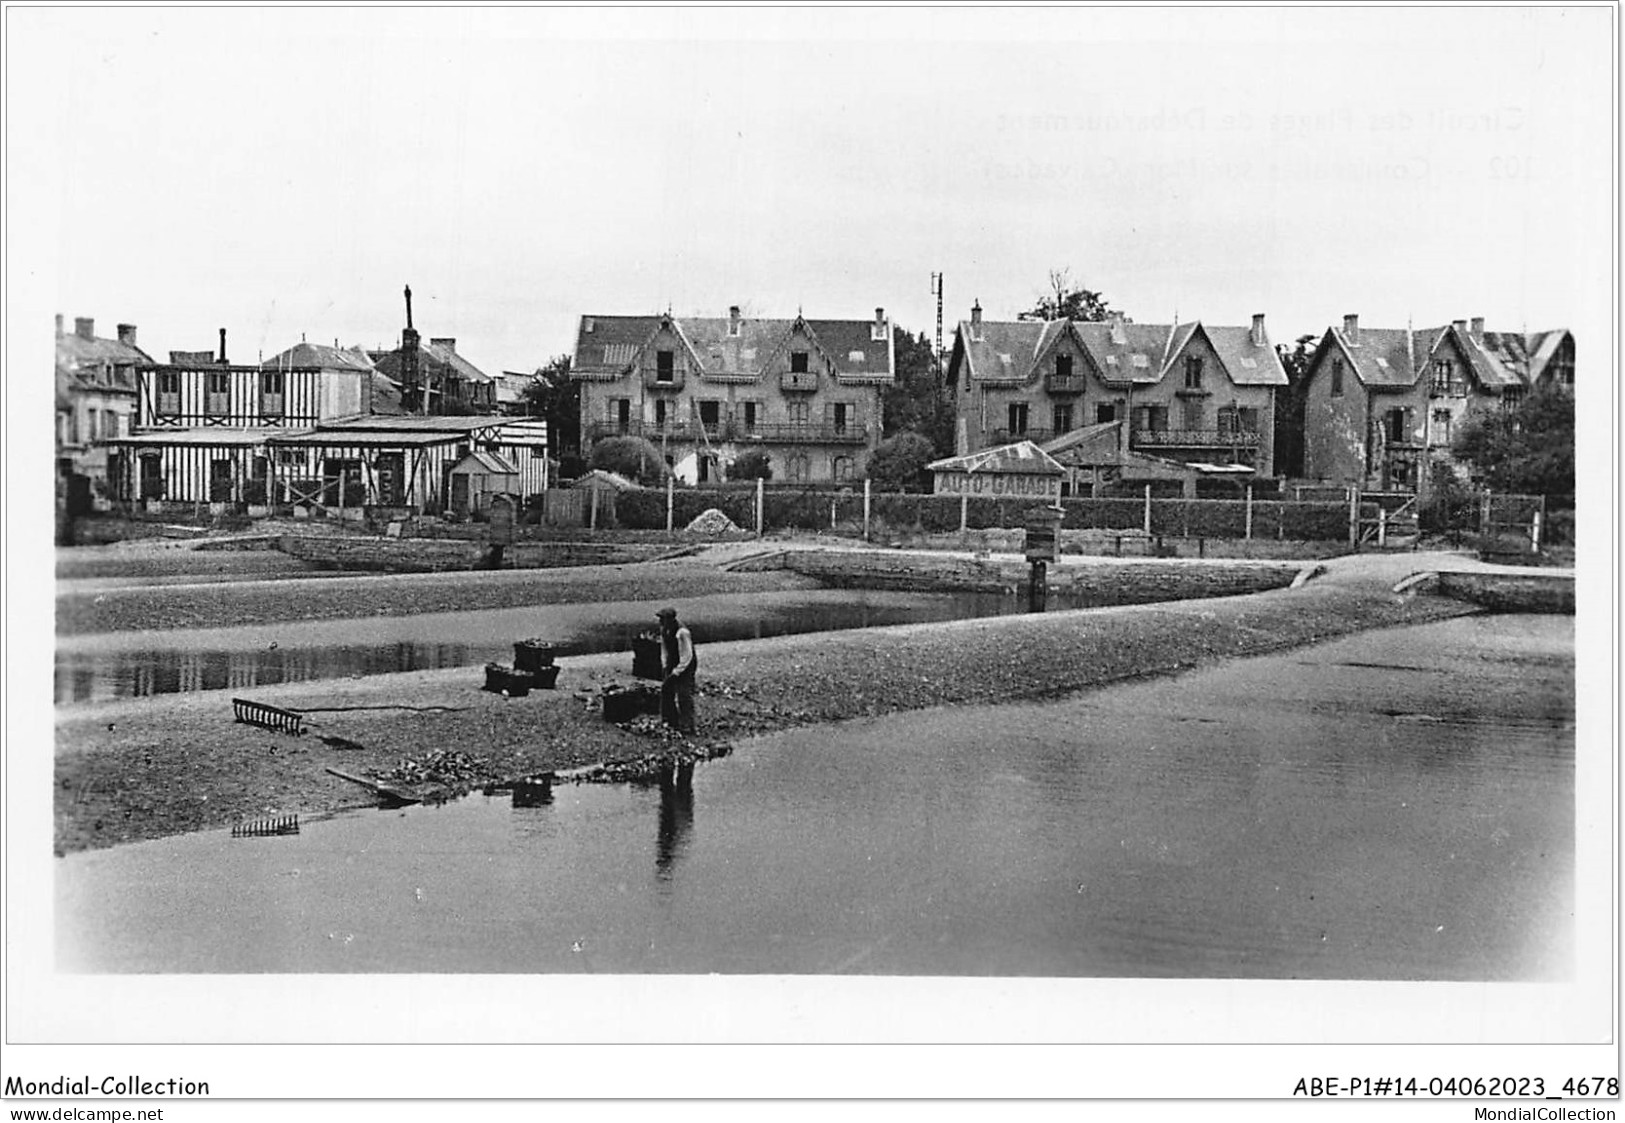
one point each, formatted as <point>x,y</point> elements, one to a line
<point>849,537</point>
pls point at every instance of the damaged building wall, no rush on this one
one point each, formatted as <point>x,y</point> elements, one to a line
<point>1335,421</point>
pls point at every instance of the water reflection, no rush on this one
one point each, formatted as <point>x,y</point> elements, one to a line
<point>95,676</point>
<point>88,675</point>
<point>1250,820</point>
<point>676,817</point>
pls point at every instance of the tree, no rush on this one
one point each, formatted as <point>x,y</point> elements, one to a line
<point>752,464</point>
<point>899,464</point>
<point>553,395</point>
<point>916,401</point>
<point>1064,302</point>
<point>632,457</point>
<point>1528,450</point>
<point>1289,405</point>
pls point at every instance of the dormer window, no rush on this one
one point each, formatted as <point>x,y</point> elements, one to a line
<point>1337,378</point>
<point>1193,373</point>
<point>798,362</point>
<point>665,366</point>
<point>1446,383</point>
<point>1063,366</point>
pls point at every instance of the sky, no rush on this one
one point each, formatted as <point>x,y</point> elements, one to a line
<point>283,173</point>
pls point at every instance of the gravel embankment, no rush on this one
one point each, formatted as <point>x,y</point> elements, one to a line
<point>144,769</point>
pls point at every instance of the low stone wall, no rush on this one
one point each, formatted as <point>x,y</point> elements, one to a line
<point>435,555</point>
<point>1549,594</point>
<point>1136,582</point>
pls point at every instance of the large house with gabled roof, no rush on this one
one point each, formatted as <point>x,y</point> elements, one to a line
<point>1192,392</point>
<point>1381,404</point>
<point>95,401</point>
<point>706,389</point>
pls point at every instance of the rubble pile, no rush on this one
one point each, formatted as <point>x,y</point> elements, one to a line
<point>712,521</point>
<point>442,766</point>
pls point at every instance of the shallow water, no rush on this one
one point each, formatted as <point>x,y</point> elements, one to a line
<point>1395,805</point>
<point>140,664</point>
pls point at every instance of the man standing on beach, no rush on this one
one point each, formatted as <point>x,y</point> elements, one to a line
<point>678,663</point>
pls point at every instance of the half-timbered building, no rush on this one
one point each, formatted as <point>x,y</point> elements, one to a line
<point>299,431</point>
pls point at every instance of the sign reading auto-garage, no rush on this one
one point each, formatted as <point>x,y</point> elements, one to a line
<point>997,484</point>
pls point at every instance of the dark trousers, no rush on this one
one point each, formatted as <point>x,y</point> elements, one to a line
<point>677,702</point>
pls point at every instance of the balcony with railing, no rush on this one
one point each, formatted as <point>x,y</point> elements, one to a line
<point>719,431</point>
<point>798,381</point>
<point>1063,383</point>
<point>1194,438</point>
<point>656,379</point>
<point>996,437</point>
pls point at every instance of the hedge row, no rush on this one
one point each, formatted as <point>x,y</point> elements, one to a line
<point>825,509</point>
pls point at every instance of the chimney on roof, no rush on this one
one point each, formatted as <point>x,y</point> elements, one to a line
<point>1119,336</point>
<point>126,334</point>
<point>1478,327</point>
<point>222,346</point>
<point>733,319</point>
<point>1351,327</point>
<point>976,313</point>
<point>880,317</point>
<point>84,327</point>
<point>1258,329</point>
<point>1459,325</point>
<point>59,323</point>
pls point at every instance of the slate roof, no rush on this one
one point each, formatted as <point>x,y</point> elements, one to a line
<point>94,364</point>
<point>1387,358</point>
<point>1516,359</point>
<point>77,349</point>
<point>1134,353</point>
<point>440,353</point>
<point>1542,346</point>
<point>1398,358</point>
<point>1123,353</point>
<point>607,345</point>
<point>1021,458</point>
<point>1495,365</point>
<point>1248,363</point>
<point>431,353</point>
<point>319,355</point>
<point>1005,351</point>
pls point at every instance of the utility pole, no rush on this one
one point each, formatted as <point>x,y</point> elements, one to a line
<point>936,290</point>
